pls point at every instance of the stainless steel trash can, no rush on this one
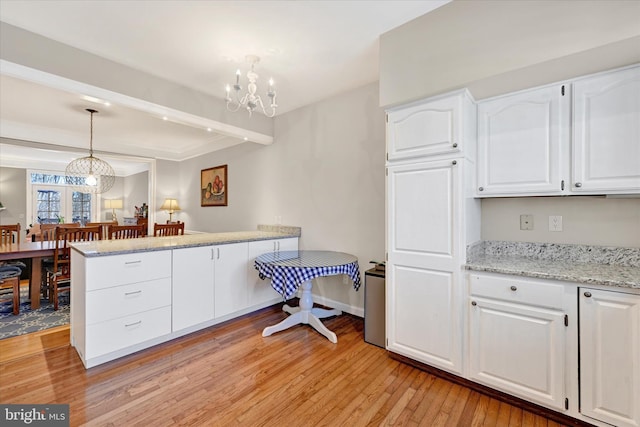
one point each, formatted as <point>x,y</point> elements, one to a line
<point>374,307</point>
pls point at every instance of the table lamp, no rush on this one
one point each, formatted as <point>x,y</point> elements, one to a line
<point>170,205</point>
<point>113,204</point>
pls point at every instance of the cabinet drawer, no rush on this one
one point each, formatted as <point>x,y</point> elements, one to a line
<point>112,335</point>
<point>128,268</point>
<point>120,301</point>
<point>516,289</point>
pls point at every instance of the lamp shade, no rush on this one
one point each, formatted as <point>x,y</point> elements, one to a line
<point>170,205</point>
<point>113,204</point>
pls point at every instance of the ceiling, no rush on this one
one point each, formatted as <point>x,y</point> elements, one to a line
<point>312,49</point>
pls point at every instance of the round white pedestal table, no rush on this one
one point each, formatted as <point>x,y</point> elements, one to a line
<point>290,270</point>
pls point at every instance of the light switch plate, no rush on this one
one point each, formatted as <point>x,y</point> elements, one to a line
<point>526,222</point>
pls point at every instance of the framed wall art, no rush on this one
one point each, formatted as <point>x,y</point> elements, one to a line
<point>214,186</point>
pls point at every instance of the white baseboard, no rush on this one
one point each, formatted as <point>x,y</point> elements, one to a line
<point>356,311</point>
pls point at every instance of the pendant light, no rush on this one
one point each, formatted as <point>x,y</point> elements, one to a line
<point>90,174</point>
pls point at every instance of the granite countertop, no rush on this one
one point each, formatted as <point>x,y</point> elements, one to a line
<point>596,265</point>
<point>148,244</point>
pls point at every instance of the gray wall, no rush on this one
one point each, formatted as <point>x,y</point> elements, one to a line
<point>324,172</point>
<point>135,193</point>
<point>493,47</point>
<point>585,220</point>
<point>13,195</point>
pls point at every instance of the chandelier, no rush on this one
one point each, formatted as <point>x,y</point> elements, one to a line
<point>90,174</point>
<point>250,100</point>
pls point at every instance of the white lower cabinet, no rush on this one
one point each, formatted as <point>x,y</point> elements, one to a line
<point>517,338</point>
<point>230,278</point>
<point>115,305</point>
<point>192,290</point>
<point>259,291</point>
<point>610,356</point>
<point>208,282</point>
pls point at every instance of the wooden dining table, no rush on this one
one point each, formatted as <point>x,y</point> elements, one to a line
<point>35,251</point>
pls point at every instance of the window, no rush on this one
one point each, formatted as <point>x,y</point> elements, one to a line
<point>48,206</point>
<point>81,207</point>
<point>53,201</point>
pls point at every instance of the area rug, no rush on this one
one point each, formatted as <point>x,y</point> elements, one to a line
<point>28,320</point>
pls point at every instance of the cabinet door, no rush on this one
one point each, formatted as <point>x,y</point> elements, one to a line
<point>230,278</point>
<point>520,138</point>
<point>432,127</point>
<point>610,356</point>
<point>192,289</point>
<point>606,133</point>
<point>423,289</point>
<point>259,291</point>
<point>518,349</point>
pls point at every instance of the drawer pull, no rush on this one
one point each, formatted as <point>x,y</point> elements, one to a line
<point>133,293</point>
<point>513,288</point>
<point>133,262</point>
<point>139,322</point>
<point>473,303</point>
<point>587,294</point>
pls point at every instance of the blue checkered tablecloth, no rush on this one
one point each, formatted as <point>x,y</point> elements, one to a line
<point>289,269</point>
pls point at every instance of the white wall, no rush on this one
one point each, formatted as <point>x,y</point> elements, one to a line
<point>324,172</point>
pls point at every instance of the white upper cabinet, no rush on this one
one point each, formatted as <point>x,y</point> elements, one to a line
<point>428,128</point>
<point>520,141</point>
<point>606,133</point>
<point>533,143</point>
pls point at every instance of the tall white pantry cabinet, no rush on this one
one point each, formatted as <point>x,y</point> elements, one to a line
<point>431,216</point>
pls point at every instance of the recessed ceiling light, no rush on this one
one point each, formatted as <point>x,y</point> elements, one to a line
<point>273,51</point>
<point>165,118</point>
<point>96,100</point>
<point>246,139</point>
<point>208,129</point>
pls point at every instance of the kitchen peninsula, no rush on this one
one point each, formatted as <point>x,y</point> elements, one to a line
<point>132,294</point>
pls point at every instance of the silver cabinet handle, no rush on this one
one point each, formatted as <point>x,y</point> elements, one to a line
<point>578,184</point>
<point>278,242</point>
<point>454,162</point>
<point>133,262</point>
<point>480,188</point>
<point>218,252</point>
<point>513,288</point>
<point>455,145</point>
<point>587,294</point>
<point>133,293</point>
<point>139,322</point>
<point>473,303</point>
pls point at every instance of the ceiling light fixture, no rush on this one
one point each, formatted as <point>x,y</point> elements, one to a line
<point>250,100</point>
<point>90,174</point>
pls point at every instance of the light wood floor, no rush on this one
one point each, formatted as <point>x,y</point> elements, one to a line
<point>230,375</point>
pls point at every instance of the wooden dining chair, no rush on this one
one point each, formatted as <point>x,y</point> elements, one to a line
<point>48,231</point>
<point>9,234</point>
<point>10,285</point>
<point>104,225</point>
<point>168,229</point>
<point>125,232</point>
<point>59,276</point>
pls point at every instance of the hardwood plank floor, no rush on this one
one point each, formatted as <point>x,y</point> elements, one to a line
<point>229,375</point>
